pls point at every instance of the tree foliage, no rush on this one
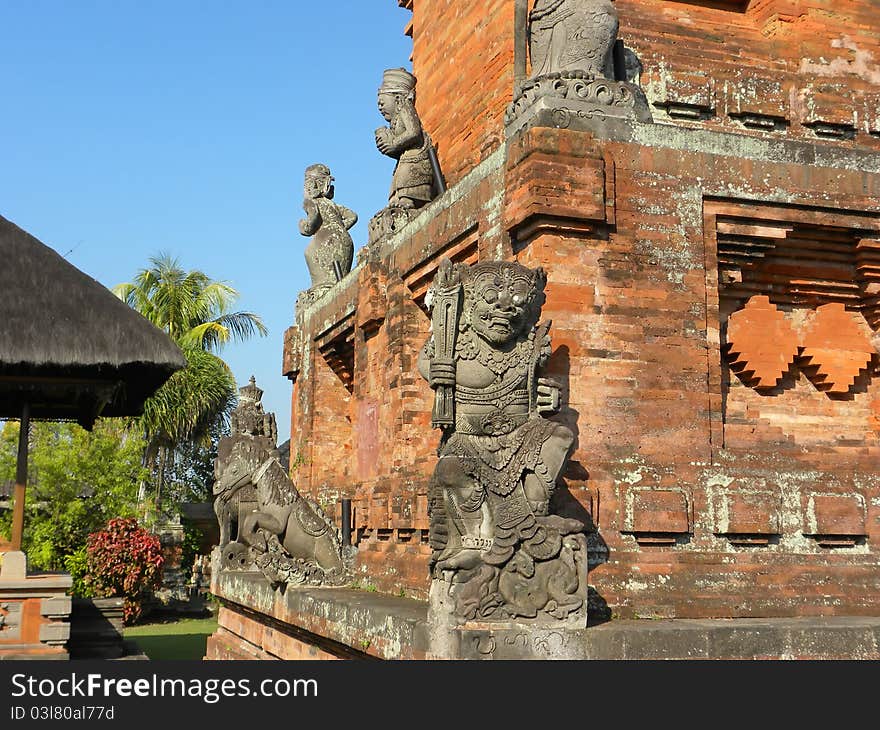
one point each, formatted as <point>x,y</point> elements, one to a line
<point>77,481</point>
<point>182,419</point>
<point>188,305</point>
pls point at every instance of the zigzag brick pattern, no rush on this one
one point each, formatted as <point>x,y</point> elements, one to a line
<point>762,344</point>
<point>836,348</point>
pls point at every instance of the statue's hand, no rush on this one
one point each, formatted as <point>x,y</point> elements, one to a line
<point>383,140</point>
<point>547,401</point>
<point>309,224</point>
<point>442,373</point>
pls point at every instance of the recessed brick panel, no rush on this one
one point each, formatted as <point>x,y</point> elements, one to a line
<point>658,511</point>
<point>831,514</point>
<point>747,513</point>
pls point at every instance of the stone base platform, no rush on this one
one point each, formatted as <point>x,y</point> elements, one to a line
<point>348,623</point>
<point>34,611</point>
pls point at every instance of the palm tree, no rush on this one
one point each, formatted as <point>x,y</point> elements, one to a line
<point>195,312</point>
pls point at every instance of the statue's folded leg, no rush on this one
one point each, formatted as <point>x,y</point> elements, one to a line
<point>249,532</point>
<point>555,450</point>
<point>458,504</point>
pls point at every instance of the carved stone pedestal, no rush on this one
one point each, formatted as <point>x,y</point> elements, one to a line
<point>450,638</point>
<point>34,611</point>
<point>387,222</point>
<point>576,100</point>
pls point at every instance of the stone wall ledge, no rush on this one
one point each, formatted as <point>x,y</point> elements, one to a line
<point>831,638</point>
<point>349,622</point>
<point>373,624</point>
<point>32,652</point>
<point>723,143</point>
<point>338,301</point>
<point>36,585</point>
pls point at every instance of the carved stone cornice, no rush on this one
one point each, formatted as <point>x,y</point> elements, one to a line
<point>576,100</point>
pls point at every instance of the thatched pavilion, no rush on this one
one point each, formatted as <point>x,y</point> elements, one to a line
<point>69,350</point>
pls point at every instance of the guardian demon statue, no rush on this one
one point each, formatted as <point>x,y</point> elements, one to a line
<point>494,543</point>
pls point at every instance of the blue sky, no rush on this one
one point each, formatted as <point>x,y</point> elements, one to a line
<point>131,128</point>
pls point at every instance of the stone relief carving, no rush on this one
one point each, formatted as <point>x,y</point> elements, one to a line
<point>330,253</point>
<point>265,523</point>
<point>571,47</point>
<point>416,180</point>
<point>572,35</point>
<point>495,546</point>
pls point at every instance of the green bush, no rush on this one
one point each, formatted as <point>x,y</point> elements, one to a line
<point>77,564</point>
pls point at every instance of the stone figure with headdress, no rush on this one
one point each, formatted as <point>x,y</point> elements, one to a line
<point>412,184</point>
<point>330,253</point>
<point>494,542</point>
<point>416,180</point>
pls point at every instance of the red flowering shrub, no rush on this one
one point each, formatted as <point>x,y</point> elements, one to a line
<point>124,560</point>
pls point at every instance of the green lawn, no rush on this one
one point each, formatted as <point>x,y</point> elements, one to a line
<point>180,639</point>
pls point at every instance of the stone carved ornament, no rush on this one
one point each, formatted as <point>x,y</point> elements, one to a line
<point>330,253</point>
<point>279,532</point>
<point>572,35</point>
<point>416,180</point>
<point>571,47</point>
<point>494,542</point>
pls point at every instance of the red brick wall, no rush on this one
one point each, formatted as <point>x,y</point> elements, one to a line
<point>239,637</point>
<point>803,61</point>
<point>710,497</point>
<point>463,60</point>
<point>634,349</point>
<point>798,61</point>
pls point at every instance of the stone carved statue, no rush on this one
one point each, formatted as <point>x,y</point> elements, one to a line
<point>252,430</point>
<point>572,82</point>
<point>416,180</point>
<point>572,35</point>
<point>330,253</point>
<point>404,139</point>
<point>275,529</point>
<point>494,542</point>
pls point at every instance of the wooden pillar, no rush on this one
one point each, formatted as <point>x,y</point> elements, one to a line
<point>21,477</point>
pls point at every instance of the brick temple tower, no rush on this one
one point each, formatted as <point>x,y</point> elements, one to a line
<point>713,265</point>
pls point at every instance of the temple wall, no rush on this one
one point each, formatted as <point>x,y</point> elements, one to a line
<point>711,497</point>
<point>715,486</point>
<point>463,59</point>
<point>809,66</point>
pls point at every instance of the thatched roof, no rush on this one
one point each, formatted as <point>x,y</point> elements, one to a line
<point>68,345</point>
